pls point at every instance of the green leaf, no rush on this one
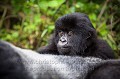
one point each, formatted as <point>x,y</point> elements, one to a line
<point>43,33</point>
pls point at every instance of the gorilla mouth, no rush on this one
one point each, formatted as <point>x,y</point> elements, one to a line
<point>65,47</point>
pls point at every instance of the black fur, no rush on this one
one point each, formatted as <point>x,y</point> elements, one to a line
<point>84,42</point>
<point>17,63</point>
<point>108,70</point>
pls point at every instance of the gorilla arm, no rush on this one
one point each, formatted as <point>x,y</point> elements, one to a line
<point>51,48</point>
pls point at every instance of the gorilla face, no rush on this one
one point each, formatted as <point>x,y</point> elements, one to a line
<point>68,42</point>
<point>73,34</point>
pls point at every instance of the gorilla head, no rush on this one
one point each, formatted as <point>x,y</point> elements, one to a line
<point>74,33</point>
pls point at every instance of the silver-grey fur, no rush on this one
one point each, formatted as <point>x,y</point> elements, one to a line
<point>45,66</point>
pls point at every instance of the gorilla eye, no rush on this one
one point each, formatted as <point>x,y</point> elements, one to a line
<point>61,34</point>
<point>70,33</point>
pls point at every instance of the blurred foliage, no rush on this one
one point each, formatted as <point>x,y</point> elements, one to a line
<point>29,23</point>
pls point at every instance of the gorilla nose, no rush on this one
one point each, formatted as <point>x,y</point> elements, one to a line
<point>63,40</point>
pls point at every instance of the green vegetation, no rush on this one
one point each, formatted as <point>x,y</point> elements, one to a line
<point>29,23</point>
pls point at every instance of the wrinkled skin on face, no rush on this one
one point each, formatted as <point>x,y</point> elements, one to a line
<point>72,34</point>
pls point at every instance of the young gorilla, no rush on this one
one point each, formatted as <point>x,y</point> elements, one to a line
<point>17,63</point>
<point>75,35</point>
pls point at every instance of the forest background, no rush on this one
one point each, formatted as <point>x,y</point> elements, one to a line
<point>30,23</point>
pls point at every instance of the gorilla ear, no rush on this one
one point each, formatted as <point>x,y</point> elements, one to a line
<point>88,35</point>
